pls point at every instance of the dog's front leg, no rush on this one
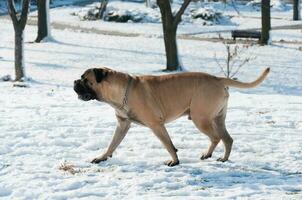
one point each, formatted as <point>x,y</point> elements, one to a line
<point>162,134</point>
<point>120,132</point>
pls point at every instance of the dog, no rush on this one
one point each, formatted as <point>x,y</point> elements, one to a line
<point>153,101</point>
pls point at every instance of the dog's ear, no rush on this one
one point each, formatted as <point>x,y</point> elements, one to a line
<point>100,74</point>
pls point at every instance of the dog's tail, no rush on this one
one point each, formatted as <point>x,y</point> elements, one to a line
<point>238,84</point>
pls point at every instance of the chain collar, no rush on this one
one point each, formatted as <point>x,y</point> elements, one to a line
<point>123,106</point>
<point>125,99</point>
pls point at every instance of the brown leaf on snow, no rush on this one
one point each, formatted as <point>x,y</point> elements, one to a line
<point>68,168</point>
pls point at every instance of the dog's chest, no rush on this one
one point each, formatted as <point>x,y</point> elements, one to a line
<point>128,114</point>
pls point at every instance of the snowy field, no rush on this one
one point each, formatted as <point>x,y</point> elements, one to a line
<point>45,126</point>
<point>249,17</point>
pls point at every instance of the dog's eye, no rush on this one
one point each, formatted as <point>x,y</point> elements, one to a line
<point>87,82</point>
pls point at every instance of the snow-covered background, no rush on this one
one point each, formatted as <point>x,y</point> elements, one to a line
<point>45,128</point>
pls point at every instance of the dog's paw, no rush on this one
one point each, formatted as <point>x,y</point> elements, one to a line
<point>205,156</point>
<point>222,159</point>
<point>99,159</point>
<point>171,163</point>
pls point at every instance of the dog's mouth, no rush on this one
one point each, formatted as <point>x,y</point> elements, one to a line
<point>84,92</point>
<point>85,97</point>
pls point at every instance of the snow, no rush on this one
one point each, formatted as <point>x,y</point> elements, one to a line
<point>45,126</point>
<point>249,17</point>
<point>130,12</point>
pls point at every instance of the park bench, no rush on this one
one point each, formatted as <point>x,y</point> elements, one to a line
<point>245,34</point>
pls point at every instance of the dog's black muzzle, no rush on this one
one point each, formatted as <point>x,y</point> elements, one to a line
<point>84,92</point>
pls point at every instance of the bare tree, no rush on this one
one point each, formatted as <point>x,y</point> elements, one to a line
<point>170,23</point>
<point>266,21</point>
<point>236,58</point>
<point>103,8</point>
<point>296,10</point>
<point>233,61</point>
<point>43,20</point>
<point>19,22</point>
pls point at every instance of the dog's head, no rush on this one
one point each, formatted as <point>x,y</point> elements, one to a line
<point>87,87</point>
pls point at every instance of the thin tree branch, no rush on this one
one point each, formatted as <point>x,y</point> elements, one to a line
<point>25,8</point>
<point>181,11</point>
<point>12,11</point>
<point>219,65</point>
<point>235,7</point>
<point>240,66</point>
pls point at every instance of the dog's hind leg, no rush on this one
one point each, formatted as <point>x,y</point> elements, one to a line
<point>206,126</point>
<point>224,135</point>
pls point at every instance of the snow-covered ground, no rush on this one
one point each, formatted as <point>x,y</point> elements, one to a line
<point>45,126</point>
<point>248,17</point>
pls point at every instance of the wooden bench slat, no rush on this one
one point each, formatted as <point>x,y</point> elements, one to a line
<point>245,34</point>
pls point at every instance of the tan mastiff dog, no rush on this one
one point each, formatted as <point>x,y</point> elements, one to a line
<point>153,101</point>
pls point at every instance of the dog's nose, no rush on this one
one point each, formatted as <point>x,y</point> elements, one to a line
<point>76,81</point>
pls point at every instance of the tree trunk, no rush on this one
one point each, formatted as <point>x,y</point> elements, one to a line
<point>171,49</point>
<point>169,31</point>
<point>170,23</point>
<point>266,22</point>
<point>296,10</point>
<point>19,60</point>
<point>19,25</point>
<point>43,20</point>
<point>103,8</point>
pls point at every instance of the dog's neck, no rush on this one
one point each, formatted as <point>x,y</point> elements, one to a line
<point>119,85</point>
